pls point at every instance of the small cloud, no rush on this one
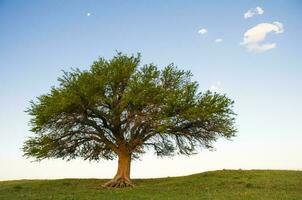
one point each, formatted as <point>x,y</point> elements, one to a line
<point>251,12</point>
<point>259,10</point>
<point>88,14</point>
<point>203,31</point>
<point>248,14</point>
<point>218,40</point>
<point>254,37</point>
<point>216,87</point>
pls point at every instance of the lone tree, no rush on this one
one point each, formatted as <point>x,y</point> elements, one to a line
<point>116,109</point>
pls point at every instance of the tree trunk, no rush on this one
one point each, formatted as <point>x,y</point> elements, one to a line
<point>122,177</point>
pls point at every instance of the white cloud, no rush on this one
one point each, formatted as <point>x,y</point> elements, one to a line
<point>259,10</point>
<point>248,14</point>
<point>88,14</point>
<point>218,40</point>
<point>254,37</point>
<point>251,12</point>
<point>202,31</point>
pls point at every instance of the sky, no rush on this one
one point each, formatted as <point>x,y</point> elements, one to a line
<point>250,50</point>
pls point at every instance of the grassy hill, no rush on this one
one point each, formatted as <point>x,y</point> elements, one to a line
<point>224,184</point>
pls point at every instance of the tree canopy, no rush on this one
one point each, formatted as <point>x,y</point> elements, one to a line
<point>118,108</point>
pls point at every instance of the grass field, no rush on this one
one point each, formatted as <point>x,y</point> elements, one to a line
<point>224,184</point>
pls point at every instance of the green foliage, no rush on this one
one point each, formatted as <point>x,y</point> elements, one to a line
<point>225,184</point>
<point>118,105</point>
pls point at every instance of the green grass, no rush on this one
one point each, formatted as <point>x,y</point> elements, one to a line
<point>224,184</point>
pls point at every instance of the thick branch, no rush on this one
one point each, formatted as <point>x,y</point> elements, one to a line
<point>101,133</point>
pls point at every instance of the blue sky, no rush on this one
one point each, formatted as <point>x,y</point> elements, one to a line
<point>41,38</point>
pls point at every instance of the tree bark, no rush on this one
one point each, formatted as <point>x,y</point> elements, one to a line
<point>122,177</point>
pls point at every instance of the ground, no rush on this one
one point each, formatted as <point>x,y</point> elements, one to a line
<point>223,184</point>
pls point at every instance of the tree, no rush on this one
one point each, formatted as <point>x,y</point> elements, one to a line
<point>116,109</point>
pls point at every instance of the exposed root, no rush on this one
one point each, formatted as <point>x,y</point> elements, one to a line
<point>120,182</point>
